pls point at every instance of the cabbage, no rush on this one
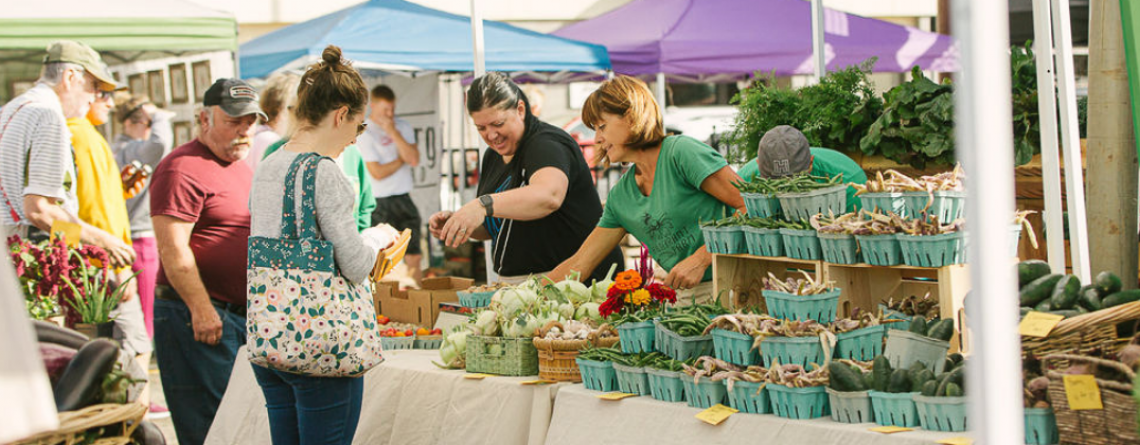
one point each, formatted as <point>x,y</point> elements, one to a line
<point>486,324</point>
<point>453,352</point>
<point>588,311</point>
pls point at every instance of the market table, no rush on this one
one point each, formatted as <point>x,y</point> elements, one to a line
<point>580,417</point>
<point>408,400</point>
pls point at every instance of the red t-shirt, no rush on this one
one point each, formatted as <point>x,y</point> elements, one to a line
<point>193,185</point>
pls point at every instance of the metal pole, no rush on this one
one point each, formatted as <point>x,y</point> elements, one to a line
<point>1050,157</point>
<point>985,146</point>
<point>480,69</point>
<point>817,39</point>
<point>659,90</point>
<point>1071,144</point>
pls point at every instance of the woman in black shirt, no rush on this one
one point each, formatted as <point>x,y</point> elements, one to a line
<point>537,201</point>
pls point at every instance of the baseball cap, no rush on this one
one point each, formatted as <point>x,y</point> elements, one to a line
<point>236,97</point>
<point>783,151</point>
<point>70,51</point>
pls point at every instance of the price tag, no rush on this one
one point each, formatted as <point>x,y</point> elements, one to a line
<point>476,376</point>
<point>537,382</point>
<point>890,429</point>
<point>1083,392</point>
<point>615,396</point>
<point>716,414</point>
<point>70,231</point>
<point>1038,324</point>
<point>957,441</point>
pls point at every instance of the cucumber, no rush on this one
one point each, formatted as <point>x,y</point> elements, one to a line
<point>1044,306</point>
<point>918,325</point>
<point>1119,298</point>
<point>930,388</point>
<point>953,390</point>
<point>843,378</point>
<point>1089,298</point>
<point>900,381</point>
<point>919,379</point>
<point>1025,311</point>
<point>1067,313</point>
<point>1065,292</point>
<point>1108,283</point>
<point>955,357</point>
<point>881,368</point>
<point>1030,270</point>
<point>1039,290</point>
<point>942,330</point>
<point>868,380</point>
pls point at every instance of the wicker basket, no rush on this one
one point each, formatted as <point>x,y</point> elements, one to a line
<point>1086,334</point>
<point>501,356</point>
<point>73,424</point>
<point>1113,425</point>
<point>557,358</point>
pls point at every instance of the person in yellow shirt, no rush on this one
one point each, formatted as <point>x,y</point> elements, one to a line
<point>99,189</point>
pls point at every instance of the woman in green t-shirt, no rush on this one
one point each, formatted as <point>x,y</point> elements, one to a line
<point>675,183</point>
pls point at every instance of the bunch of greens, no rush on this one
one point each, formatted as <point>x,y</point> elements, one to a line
<point>1026,119</point>
<point>787,184</point>
<point>917,124</point>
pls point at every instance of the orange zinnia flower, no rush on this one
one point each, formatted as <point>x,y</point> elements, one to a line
<point>627,280</point>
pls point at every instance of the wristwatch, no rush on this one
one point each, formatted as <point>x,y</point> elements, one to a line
<point>488,204</point>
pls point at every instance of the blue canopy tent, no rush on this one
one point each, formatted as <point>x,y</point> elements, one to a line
<point>396,35</point>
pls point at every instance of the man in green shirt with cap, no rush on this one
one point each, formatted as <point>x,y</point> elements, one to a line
<point>784,151</point>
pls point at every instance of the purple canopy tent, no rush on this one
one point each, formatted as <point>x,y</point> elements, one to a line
<point>696,39</point>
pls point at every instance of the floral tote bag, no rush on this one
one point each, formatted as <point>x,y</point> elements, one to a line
<point>303,316</point>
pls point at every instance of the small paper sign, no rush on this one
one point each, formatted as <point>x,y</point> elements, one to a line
<point>476,376</point>
<point>1083,392</point>
<point>957,441</point>
<point>1038,324</point>
<point>537,382</point>
<point>716,414</point>
<point>70,231</point>
<point>890,429</point>
<point>615,396</point>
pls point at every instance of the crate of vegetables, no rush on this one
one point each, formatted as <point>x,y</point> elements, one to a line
<point>805,196</point>
<point>942,403</point>
<point>764,241</point>
<point>801,244</point>
<point>880,249</point>
<point>801,299</point>
<point>501,356</point>
<point>632,379</point>
<point>559,343</point>
<point>848,391</point>
<point>761,205</point>
<point>636,337</point>
<point>748,393</point>
<point>798,350</point>
<point>796,393</point>
<point>597,369</point>
<point>724,236</point>
<point>394,338</point>
<point>946,205</point>
<point>1041,426</point>
<point>680,333</point>
<point>479,296</point>
<point>931,244</point>
<point>883,202</point>
<point>859,337</point>
<point>665,380</point>
<point>925,343</point>
<point>836,237</point>
<point>732,337</point>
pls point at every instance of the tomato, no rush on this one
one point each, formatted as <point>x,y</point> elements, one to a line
<point>409,333</point>
<point>436,332</point>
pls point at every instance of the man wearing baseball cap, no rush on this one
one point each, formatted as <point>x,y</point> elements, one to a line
<point>199,203</point>
<point>784,151</point>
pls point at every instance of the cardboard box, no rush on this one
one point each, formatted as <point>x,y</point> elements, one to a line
<point>419,306</point>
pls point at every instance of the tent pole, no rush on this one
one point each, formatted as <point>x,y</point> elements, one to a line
<point>985,147</point>
<point>817,39</point>
<point>659,89</point>
<point>1050,155</point>
<point>480,69</point>
<point>1071,145</point>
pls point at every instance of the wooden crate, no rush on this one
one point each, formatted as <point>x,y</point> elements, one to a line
<point>744,274</point>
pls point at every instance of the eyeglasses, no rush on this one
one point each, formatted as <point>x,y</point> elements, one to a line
<point>360,128</point>
<point>103,95</point>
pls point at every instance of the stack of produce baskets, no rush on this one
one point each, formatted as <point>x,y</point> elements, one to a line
<point>557,357</point>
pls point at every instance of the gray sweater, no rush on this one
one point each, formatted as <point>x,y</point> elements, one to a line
<point>148,152</point>
<point>335,220</point>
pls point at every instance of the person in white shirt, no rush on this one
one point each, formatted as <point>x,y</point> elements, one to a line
<point>389,149</point>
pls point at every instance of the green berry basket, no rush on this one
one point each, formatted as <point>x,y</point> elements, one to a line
<point>891,314</point>
<point>883,202</point>
<point>704,393</point>
<point>820,307</point>
<point>636,337</point>
<point>839,248</point>
<point>428,342</point>
<point>801,244</point>
<point>933,250</point>
<point>598,376</point>
<point>850,407</point>
<point>725,240</point>
<point>764,242</point>
<point>681,348</point>
<point>749,397</point>
<point>894,409</point>
<point>799,403</point>
<point>946,205</point>
<point>475,300</point>
<point>1016,240</point>
<point>802,351</point>
<point>632,379</point>
<point>397,343</point>
<point>904,348</point>
<point>861,344</point>
<point>501,356</point>
<point>947,414</point>
<point>804,205</point>
<point>880,250</point>
<point>734,347</point>
<point>761,205</point>
<point>666,386</point>
<point>1041,427</point>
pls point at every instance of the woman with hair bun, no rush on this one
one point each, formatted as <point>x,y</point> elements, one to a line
<point>537,201</point>
<point>329,115</point>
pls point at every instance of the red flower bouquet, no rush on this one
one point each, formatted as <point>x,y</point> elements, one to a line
<point>634,297</point>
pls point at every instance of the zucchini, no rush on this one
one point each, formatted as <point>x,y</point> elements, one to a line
<point>82,380</point>
<point>1044,306</point>
<point>881,369</point>
<point>1089,298</point>
<point>1065,292</point>
<point>843,378</point>
<point>900,381</point>
<point>1108,283</point>
<point>1030,270</point>
<point>942,330</point>
<point>918,325</point>
<point>1119,298</point>
<point>1039,290</point>
<point>930,388</point>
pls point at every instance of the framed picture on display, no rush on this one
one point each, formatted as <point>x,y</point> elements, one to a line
<point>202,78</point>
<point>137,84</point>
<point>156,88</point>
<point>179,92</point>
<point>18,87</point>
<point>183,132</point>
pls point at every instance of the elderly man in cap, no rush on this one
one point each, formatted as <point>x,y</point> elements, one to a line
<point>37,167</point>
<point>784,151</point>
<point>199,203</point>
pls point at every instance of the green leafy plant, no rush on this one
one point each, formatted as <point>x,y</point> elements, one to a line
<point>98,296</point>
<point>1026,118</point>
<point>762,107</point>
<point>917,124</point>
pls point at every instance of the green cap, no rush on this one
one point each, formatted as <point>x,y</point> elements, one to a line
<point>70,51</point>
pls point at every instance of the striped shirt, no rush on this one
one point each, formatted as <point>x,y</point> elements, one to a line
<point>35,153</point>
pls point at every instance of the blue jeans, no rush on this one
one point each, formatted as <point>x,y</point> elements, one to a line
<point>194,375</point>
<point>310,410</point>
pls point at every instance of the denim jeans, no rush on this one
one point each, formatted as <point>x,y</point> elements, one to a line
<point>194,375</point>
<point>310,410</point>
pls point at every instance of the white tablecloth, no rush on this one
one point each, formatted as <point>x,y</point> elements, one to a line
<point>580,417</point>
<point>408,401</point>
